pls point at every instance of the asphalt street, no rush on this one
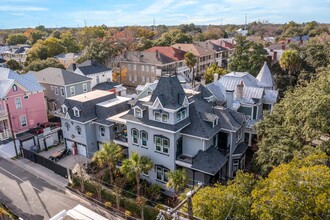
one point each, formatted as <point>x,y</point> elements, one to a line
<point>32,197</point>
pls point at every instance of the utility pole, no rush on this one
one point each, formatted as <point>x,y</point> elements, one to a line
<point>190,208</point>
<point>11,129</point>
<point>245,20</point>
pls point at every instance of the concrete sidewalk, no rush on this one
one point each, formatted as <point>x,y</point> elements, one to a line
<point>7,150</point>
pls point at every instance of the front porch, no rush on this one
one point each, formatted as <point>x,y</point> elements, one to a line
<point>4,130</point>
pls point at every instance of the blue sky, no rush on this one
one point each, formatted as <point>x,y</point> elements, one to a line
<point>73,13</point>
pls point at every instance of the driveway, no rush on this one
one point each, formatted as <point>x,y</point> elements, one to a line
<point>68,161</point>
<point>7,149</point>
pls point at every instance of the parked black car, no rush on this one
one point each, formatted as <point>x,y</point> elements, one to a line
<point>59,154</point>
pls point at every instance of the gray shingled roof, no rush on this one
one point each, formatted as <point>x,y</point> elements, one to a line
<point>103,113</point>
<point>88,108</point>
<point>209,161</point>
<point>91,67</point>
<point>241,148</point>
<point>57,76</point>
<point>146,57</point>
<point>105,86</point>
<point>170,92</point>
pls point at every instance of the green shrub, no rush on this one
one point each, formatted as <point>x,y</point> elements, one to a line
<point>89,186</point>
<point>89,194</point>
<point>131,206</point>
<point>108,196</point>
<point>150,213</point>
<point>128,213</point>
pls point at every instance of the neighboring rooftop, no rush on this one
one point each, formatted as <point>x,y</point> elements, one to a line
<point>155,58</point>
<point>85,97</point>
<point>89,67</point>
<point>195,49</point>
<point>57,76</point>
<point>265,77</point>
<point>170,52</point>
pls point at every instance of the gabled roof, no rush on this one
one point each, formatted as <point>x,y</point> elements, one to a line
<point>28,81</point>
<point>231,80</point>
<point>67,56</point>
<point>169,92</point>
<point>105,86</point>
<point>57,76</point>
<point>209,161</point>
<point>218,90</point>
<point>5,85</point>
<point>195,49</point>
<point>170,52</point>
<point>265,77</point>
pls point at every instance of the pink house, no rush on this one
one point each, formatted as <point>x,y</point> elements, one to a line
<point>23,97</point>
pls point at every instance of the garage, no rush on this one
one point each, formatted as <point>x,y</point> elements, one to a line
<point>81,149</point>
<point>69,144</point>
<point>27,144</point>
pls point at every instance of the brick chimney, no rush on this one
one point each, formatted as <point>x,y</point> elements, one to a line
<point>239,90</point>
<point>283,46</point>
<point>157,54</point>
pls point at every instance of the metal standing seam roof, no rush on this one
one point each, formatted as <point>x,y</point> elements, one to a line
<point>28,81</point>
<point>265,77</point>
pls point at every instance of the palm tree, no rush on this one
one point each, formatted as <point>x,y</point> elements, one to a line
<point>290,60</point>
<point>108,155</point>
<point>134,166</point>
<point>191,60</point>
<point>177,180</point>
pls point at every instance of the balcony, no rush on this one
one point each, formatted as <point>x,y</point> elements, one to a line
<point>184,160</point>
<point>3,114</point>
<point>121,138</point>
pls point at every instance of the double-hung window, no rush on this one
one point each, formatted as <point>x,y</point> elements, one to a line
<point>72,90</point>
<point>162,173</point>
<point>181,114</point>
<point>102,131</point>
<point>18,103</point>
<point>144,138</point>
<point>78,130</point>
<point>162,144</point>
<point>23,120</point>
<point>161,116</point>
<point>135,136</point>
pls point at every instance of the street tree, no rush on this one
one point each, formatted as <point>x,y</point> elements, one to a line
<point>108,156</point>
<point>69,42</point>
<point>134,167</point>
<point>15,39</point>
<point>211,70</point>
<point>13,65</point>
<point>231,201</point>
<point>37,65</point>
<point>177,180</point>
<point>299,118</point>
<point>191,61</point>
<point>290,61</point>
<point>34,35</point>
<point>297,190</point>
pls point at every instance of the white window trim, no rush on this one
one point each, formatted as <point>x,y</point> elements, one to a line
<point>64,109</point>
<point>20,103</point>
<point>163,172</point>
<point>162,146</point>
<point>62,90</point>
<point>161,116</point>
<point>135,137</point>
<point>138,113</point>
<point>67,126</point>
<point>144,132</point>
<point>72,90</point>
<point>20,120</point>
<point>56,90</point>
<point>102,131</point>
<point>76,112</point>
<point>77,129</point>
<point>84,87</point>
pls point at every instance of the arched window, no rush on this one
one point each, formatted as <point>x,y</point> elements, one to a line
<point>135,136</point>
<point>67,125</point>
<point>144,138</point>
<point>78,129</point>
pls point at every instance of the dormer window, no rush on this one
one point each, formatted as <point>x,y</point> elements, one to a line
<point>138,113</point>
<point>64,109</point>
<point>161,116</point>
<point>76,112</point>
<point>215,122</point>
<point>180,115</point>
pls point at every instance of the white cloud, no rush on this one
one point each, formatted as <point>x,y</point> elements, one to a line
<point>21,8</point>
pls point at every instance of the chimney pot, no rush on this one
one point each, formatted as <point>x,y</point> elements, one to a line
<point>239,90</point>
<point>215,77</point>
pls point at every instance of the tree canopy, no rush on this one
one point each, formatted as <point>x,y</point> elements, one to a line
<point>247,57</point>
<point>14,39</point>
<point>300,117</point>
<point>211,70</point>
<point>38,65</point>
